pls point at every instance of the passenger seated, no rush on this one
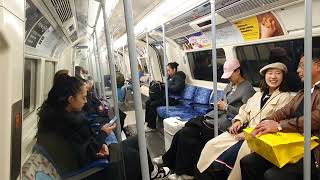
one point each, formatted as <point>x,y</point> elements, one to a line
<point>128,86</point>
<point>288,119</point>
<point>61,114</point>
<point>188,142</point>
<point>224,152</point>
<point>176,83</point>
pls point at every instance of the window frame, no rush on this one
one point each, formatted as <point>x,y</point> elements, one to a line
<point>278,42</point>
<point>34,83</point>
<point>192,65</point>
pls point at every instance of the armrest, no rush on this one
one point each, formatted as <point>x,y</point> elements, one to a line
<point>87,170</point>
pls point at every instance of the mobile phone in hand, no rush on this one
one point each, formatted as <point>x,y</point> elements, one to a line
<point>112,121</point>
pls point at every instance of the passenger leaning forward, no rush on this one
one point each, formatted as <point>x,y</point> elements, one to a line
<point>224,152</point>
<point>76,144</point>
<point>288,119</point>
<point>188,142</point>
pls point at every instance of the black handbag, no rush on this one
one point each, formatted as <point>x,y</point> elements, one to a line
<point>206,130</point>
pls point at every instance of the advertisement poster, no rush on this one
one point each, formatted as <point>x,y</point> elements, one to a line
<point>259,27</point>
<point>199,40</point>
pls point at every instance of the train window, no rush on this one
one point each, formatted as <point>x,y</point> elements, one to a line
<point>254,57</point>
<point>200,64</point>
<point>48,78</point>
<point>30,79</point>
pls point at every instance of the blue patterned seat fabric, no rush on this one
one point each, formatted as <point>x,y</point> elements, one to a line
<point>194,102</point>
<point>186,94</point>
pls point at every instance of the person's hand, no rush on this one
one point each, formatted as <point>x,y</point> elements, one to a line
<point>235,127</point>
<point>221,105</point>
<point>240,136</point>
<point>266,126</point>
<point>268,27</point>
<point>104,151</point>
<point>108,129</point>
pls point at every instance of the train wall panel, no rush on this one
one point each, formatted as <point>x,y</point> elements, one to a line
<point>11,68</point>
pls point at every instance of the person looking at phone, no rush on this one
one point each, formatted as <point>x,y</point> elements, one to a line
<point>225,151</point>
<point>61,114</point>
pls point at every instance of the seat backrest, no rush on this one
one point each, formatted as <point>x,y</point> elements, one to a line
<point>220,95</point>
<point>58,151</point>
<point>188,92</point>
<point>202,95</point>
<point>37,167</point>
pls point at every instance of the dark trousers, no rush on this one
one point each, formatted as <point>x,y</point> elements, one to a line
<point>151,112</point>
<point>125,162</point>
<point>255,167</point>
<point>184,152</point>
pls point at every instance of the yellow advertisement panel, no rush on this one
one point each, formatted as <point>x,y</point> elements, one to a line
<point>258,27</point>
<point>249,28</point>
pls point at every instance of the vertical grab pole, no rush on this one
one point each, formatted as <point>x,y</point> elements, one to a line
<point>97,67</point>
<point>136,89</point>
<point>101,67</point>
<point>307,87</point>
<point>148,57</point>
<point>165,62</point>
<point>111,67</point>
<point>214,65</point>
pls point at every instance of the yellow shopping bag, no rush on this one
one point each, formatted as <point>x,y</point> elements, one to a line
<point>278,148</point>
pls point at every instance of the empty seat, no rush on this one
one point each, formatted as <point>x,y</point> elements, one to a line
<point>198,104</point>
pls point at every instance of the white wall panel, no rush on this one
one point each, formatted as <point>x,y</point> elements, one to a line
<point>14,6</point>
<point>11,69</point>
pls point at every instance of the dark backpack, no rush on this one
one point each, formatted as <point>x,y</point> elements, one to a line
<point>156,90</point>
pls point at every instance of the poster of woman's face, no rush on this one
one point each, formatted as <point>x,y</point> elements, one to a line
<point>269,25</point>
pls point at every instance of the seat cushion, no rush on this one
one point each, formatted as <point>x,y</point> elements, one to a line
<point>202,108</point>
<point>202,95</point>
<point>183,112</point>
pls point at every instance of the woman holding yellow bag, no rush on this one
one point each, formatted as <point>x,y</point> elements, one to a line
<point>224,152</point>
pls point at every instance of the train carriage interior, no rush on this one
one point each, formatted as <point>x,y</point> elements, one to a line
<point>121,52</point>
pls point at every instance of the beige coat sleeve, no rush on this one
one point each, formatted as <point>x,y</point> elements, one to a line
<point>244,111</point>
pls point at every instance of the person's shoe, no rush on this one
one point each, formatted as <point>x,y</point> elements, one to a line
<point>147,129</point>
<point>163,172</point>
<point>173,177</point>
<point>186,177</point>
<point>158,161</point>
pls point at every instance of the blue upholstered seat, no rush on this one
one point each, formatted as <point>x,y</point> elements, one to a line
<point>195,101</point>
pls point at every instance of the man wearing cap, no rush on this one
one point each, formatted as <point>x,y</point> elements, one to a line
<point>188,142</point>
<point>288,119</point>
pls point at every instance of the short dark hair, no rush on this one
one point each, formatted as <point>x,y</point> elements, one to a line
<point>282,88</point>
<point>315,55</point>
<point>241,71</point>
<point>60,73</point>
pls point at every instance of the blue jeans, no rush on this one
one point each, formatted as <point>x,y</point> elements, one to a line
<point>122,92</point>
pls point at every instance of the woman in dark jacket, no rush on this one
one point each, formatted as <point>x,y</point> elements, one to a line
<point>176,83</point>
<point>61,116</point>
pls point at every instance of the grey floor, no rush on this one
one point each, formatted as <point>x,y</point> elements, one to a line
<point>154,140</point>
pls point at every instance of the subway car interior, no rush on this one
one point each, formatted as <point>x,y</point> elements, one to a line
<point>160,89</point>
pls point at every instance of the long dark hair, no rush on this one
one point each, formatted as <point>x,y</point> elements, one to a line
<point>173,65</point>
<point>282,88</point>
<point>57,101</point>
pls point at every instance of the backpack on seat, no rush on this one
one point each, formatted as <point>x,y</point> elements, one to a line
<point>156,90</point>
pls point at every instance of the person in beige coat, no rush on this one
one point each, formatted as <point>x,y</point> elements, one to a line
<point>272,96</point>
